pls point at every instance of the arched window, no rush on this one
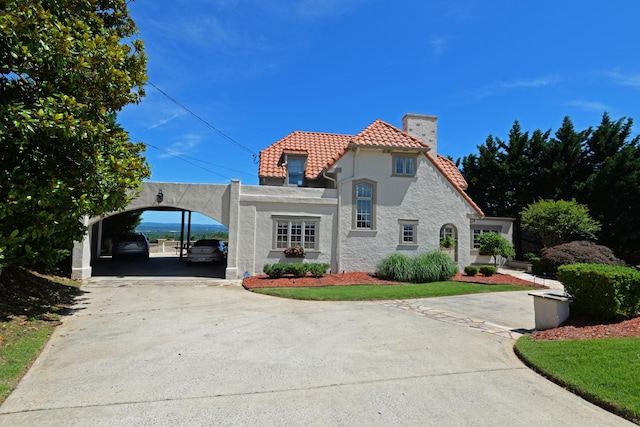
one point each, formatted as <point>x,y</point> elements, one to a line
<point>364,205</point>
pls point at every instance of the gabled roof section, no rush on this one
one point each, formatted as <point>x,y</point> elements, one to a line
<point>321,150</point>
<point>438,162</point>
<point>381,134</point>
<point>452,171</point>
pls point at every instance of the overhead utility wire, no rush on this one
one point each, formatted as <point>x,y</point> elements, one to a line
<point>206,123</point>
<point>184,160</point>
<point>168,151</point>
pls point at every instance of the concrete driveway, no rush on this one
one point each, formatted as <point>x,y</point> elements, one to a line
<point>201,352</point>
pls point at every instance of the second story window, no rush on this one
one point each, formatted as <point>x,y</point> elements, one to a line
<point>404,165</point>
<point>295,171</point>
<point>364,205</point>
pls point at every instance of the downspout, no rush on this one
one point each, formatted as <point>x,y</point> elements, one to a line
<point>339,187</point>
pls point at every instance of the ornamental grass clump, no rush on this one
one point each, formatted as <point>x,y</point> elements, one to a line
<point>395,267</point>
<point>430,267</point>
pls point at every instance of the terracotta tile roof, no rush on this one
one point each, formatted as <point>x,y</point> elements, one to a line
<point>381,134</point>
<point>452,171</point>
<point>324,149</point>
<point>321,149</point>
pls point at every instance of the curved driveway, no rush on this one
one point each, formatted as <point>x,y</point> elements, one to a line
<point>200,352</point>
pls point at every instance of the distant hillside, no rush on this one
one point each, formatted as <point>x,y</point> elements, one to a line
<point>158,230</point>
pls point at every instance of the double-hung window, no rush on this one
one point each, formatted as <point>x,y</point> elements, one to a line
<point>296,232</point>
<point>404,165</point>
<point>364,205</point>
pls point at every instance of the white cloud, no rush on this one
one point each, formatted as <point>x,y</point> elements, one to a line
<point>438,45</point>
<point>534,83</point>
<point>625,79</point>
<point>499,88</point>
<point>185,146</point>
<point>584,105</point>
<point>165,121</point>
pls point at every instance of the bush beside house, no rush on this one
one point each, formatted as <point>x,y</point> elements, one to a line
<point>430,267</point>
<point>572,253</point>
<point>602,291</point>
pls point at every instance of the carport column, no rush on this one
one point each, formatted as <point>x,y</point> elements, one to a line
<point>81,255</point>
<point>234,228</point>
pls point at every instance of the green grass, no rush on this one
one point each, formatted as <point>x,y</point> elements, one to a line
<point>22,343</point>
<point>32,305</point>
<point>382,292</point>
<point>604,371</point>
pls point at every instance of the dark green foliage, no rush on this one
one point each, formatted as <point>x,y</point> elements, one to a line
<point>495,245</point>
<point>599,168</point>
<point>602,291</point>
<point>576,252</point>
<point>395,267</point>
<point>66,69</point>
<point>318,269</point>
<point>430,267</point>
<point>488,270</point>
<point>275,271</point>
<point>559,221</point>
<point>471,270</point>
<point>295,269</point>
<point>536,267</point>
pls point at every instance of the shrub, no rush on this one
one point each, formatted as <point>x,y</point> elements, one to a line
<point>395,267</point>
<point>576,252</point>
<point>275,271</point>
<point>536,267</point>
<point>601,291</point>
<point>471,270</point>
<point>488,270</point>
<point>297,269</point>
<point>318,269</point>
<point>529,256</point>
<point>429,267</point>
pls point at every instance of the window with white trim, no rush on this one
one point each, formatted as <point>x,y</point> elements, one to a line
<point>364,205</point>
<point>404,165</point>
<point>477,232</point>
<point>408,232</point>
<point>296,232</point>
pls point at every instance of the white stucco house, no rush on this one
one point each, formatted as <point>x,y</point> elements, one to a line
<point>354,199</point>
<point>349,200</point>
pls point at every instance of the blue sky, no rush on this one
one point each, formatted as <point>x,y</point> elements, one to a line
<point>254,71</point>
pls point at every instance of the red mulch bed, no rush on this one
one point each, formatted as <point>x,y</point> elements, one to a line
<point>574,329</point>
<point>362,278</point>
<point>584,329</point>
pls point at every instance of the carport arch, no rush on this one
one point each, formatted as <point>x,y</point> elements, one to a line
<point>218,201</point>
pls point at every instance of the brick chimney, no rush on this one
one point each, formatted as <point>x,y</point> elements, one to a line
<point>423,127</point>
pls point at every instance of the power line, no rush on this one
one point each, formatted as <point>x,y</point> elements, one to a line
<point>206,123</point>
<point>184,157</point>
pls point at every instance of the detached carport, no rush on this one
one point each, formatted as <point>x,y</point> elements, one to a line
<point>212,200</point>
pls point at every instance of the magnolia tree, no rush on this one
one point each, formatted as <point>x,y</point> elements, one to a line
<point>66,68</point>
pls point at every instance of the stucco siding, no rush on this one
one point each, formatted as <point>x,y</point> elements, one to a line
<point>260,207</point>
<point>427,197</point>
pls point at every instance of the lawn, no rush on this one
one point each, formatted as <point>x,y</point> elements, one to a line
<point>384,292</point>
<point>604,371</point>
<point>30,310</point>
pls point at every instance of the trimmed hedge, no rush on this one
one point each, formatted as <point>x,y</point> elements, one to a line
<point>296,269</point>
<point>471,270</point>
<point>430,267</point>
<point>488,270</point>
<point>602,291</point>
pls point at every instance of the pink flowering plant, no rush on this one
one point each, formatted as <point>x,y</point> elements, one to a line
<point>294,251</point>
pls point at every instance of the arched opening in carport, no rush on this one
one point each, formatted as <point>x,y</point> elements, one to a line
<point>170,232</point>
